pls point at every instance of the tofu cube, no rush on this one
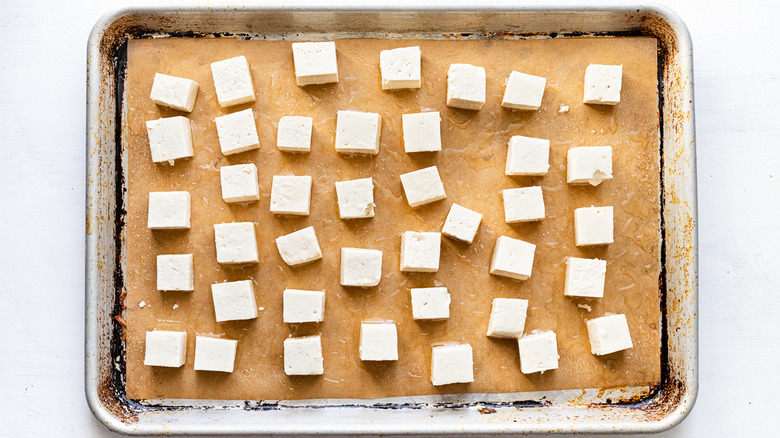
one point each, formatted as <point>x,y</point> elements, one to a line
<point>299,247</point>
<point>170,138</point>
<point>593,226</point>
<point>303,356</point>
<point>589,165</point>
<point>169,210</point>
<point>608,334</point>
<point>237,132</point>
<point>507,318</point>
<point>466,86</point>
<point>585,277</point>
<point>174,272</point>
<point>239,183</point>
<point>301,306</point>
<point>233,81</point>
<point>361,267</point>
<point>512,258</point>
<point>422,132</point>
<point>291,195</point>
<point>236,243</point>
<point>423,186</point>
<point>523,205</point>
<point>523,91</point>
<point>358,132</point>
<point>602,84</point>
<point>356,198</point>
<point>294,134</point>
<point>461,224</point>
<point>538,352</point>
<point>420,252</point>
<point>431,303</point>
<point>214,354</point>
<point>401,68</point>
<point>527,156</point>
<point>315,63</point>
<point>234,300</point>
<point>165,349</point>
<point>173,92</point>
<point>378,341</point>
<point>452,364</point>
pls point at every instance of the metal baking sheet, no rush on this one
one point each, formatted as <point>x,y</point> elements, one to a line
<point>639,409</point>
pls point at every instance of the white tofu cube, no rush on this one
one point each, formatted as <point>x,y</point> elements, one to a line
<point>361,267</point>
<point>356,198</point>
<point>523,204</point>
<point>420,252</point>
<point>538,352</point>
<point>214,354</point>
<point>169,210</point>
<point>173,92</point>
<point>589,165</point>
<point>165,349</point>
<point>301,306</point>
<point>461,224</point>
<point>466,86</point>
<point>303,356</point>
<point>431,303</point>
<point>585,277</point>
<point>452,364</point>
<point>423,186</point>
<point>602,84</point>
<point>174,272</point>
<point>507,318</point>
<point>236,243</point>
<point>299,247</point>
<point>608,334</point>
<point>422,132</point>
<point>239,183</point>
<point>291,195</point>
<point>527,156</point>
<point>512,258</point>
<point>401,68</point>
<point>523,91</point>
<point>233,81</point>
<point>378,341</point>
<point>170,138</point>
<point>358,132</point>
<point>593,226</point>
<point>315,63</point>
<point>237,132</point>
<point>294,134</point>
<point>234,300</point>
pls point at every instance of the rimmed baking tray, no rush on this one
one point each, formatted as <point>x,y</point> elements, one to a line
<point>640,409</point>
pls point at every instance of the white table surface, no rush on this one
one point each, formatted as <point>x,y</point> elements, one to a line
<point>42,179</point>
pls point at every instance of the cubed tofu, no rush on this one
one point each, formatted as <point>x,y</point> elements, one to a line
<point>466,85</point>
<point>356,198</point>
<point>174,92</point>
<point>422,132</point>
<point>299,247</point>
<point>169,210</point>
<point>233,81</point>
<point>523,204</point>
<point>423,186</point>
<point>301,306</point>
<point>527,156</point>
<point>215,354</point>
<point>294,134</point>
<point>585,277</point>
<point>453,363</point>
<point>170,138</point>
<point>358,132</point>
<point>401,68</point>
<point>602,84</point>
<point>593,226</point>
<point>236,243</point>
<point>239,183</point>
<point>589,165</point>
<point>420,252</point>
<point>174,272</point>
<point>461,224</point>
<point>361,267</point>
<point>523,91</point>
<point>303,356</point>
<point>608,334</point>
<point>538,352</point>
<point>512,258</point>
<point>378,341</point>
<point>234,300</point>
<point>291,195</point>
<point>237,132</point>
<point>430,303</point>
<point>507,318</point>
<point>165,348</point>
<point>315,63</point>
